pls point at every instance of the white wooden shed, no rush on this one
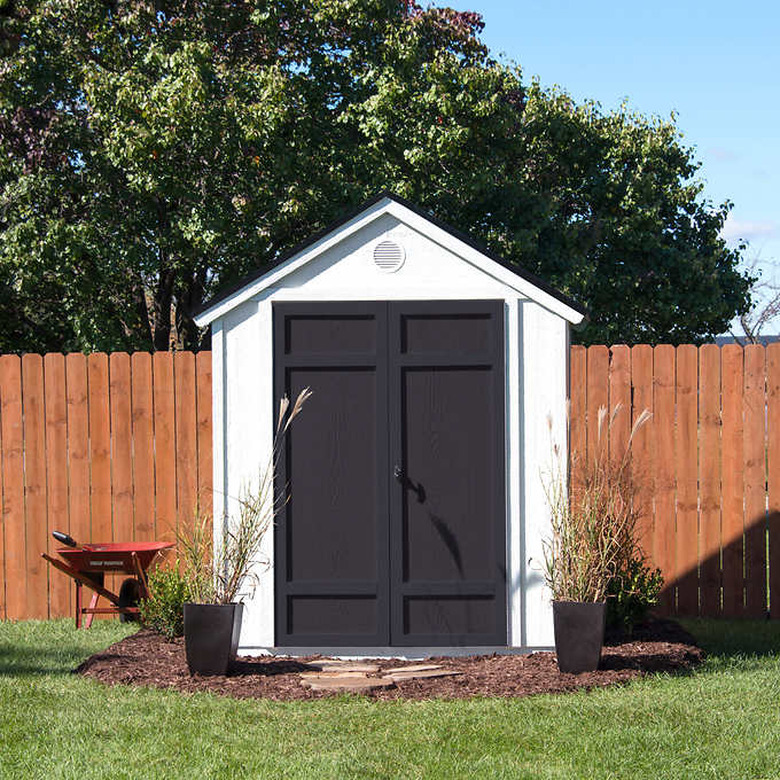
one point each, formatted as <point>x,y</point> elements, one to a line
<point>417,508</point>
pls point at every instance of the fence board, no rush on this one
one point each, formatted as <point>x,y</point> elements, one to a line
<point>755,481</point>
<point>205,460</point>
<point>2,520</point>
<point>78,447</point>
<point>619,400</point>
<point>664,504</point>
<point>732,479</point>
<point>642,447</point>
<point>598,397</point>
<point>773,471</point>
<point>58,516</point>
<point>143,446</point>
<point>99,405</point>
<point>35,486</point>
<point>687,536</point>
<point>164,444</point>
<point>121,446</point>
<point>13,487</point>
<point>99,447</point>
<point>709,479</point>
<point>186,435</point>
<point>578,377</point>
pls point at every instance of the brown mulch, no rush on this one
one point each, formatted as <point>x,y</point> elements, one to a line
<point>146,658</point>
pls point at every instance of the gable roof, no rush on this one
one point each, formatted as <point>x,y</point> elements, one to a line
<point>388,203</point>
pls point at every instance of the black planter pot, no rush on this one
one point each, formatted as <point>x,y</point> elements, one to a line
<point>211,633</point>
<point>579,634</point>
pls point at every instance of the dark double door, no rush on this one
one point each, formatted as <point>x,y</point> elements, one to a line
<point>394,532</point>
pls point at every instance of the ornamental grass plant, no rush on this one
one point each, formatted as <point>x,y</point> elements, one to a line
<point>217,570</point>
<point>595,516</point>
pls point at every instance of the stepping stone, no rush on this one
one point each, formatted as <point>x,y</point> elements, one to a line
<point>348,684</point>
<point>413,668</point>
<point>334,665</point>
<point>401,674</point>
<point>330,674</point>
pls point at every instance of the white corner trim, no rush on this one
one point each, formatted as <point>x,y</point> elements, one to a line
<point>219,431</point>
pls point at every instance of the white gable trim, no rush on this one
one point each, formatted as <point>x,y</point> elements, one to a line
<point>416,222</point>
<point>478,259</point>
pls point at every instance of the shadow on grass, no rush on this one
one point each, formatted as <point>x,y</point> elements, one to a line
<point>38,661</point>
<point>732,638</point>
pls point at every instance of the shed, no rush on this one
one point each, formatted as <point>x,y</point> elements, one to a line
<point>417,508</point>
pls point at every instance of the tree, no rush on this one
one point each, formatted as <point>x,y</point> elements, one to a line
<point>765,306</point>
<point>153,152</point>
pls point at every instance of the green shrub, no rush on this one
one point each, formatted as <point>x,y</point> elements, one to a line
<point>164,609</point>
<point>631,593</point>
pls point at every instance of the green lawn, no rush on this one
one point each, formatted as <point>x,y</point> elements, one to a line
<point>721,722</point>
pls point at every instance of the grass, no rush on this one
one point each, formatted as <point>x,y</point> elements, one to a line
<point>723,721</point>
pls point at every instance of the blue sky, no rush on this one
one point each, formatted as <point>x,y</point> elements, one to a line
<point>716,64</point>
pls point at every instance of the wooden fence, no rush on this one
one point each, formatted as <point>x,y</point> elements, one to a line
<point>119,447</point>
<point>101,446</point>
<point>708,465</point>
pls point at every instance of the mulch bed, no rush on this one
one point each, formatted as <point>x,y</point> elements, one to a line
<point>147,659</point>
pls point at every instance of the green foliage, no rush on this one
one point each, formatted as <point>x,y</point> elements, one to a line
<point>632,592</point>
<point>164,609</point>
<point>152,153</point>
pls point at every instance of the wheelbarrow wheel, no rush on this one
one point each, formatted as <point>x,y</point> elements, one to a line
<point>129,596</point>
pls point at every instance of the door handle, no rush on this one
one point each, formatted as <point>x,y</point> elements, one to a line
<point>407,483</point>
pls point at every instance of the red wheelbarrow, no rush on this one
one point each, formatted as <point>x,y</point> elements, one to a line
<point>88,564</point>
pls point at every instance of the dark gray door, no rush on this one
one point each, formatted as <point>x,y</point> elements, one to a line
<point>394,533</point>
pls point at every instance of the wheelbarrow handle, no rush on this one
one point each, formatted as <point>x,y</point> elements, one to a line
<point>64,539</point>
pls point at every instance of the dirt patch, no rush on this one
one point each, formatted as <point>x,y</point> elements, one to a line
<point>146,658</point>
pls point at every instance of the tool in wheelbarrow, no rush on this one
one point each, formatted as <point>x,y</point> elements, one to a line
<point>87,565</point>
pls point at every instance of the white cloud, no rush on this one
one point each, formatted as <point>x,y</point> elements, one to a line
<point>749,230</point>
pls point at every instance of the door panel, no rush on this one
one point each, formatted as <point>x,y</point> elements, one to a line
<point>447,616</point>
<point>322,616</point>
<point>307,334</point>
<point>394,532</point>
<point>447,529</point>
<point>428,333</point>
<point>332,457</point>
<point>448,459</point>
<point>331,537</point>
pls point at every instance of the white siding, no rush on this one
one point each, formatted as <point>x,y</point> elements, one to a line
<point>247,357</point>
<point>543,390</point>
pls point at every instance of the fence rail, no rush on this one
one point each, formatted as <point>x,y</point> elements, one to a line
<point>103,447</point>
<point>119,447</point>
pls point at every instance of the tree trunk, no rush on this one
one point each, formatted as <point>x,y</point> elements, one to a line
<point>142,312</point>
<point>161,313</point>
<point>186,304</point>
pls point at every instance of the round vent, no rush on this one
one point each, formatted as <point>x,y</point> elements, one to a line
<point>388,256</point>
